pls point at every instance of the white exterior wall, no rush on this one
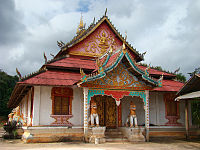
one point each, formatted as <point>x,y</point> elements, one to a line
<point>45,106</point>
<point>77,107</point>
<point>42,106</point>
<point>157,109</point>
<point>36,106</point>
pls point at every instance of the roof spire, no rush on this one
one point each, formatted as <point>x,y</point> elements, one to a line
<point>81,26</point>
<point>81,22</point>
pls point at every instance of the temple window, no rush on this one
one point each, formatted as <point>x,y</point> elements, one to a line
<point>62,101</point>
<point>61,105</point>
<point>171,109</point>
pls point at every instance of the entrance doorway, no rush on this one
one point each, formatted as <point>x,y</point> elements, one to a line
<point>106,109</point>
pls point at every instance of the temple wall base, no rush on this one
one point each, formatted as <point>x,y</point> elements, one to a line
<point>52,134</point>
<point>97,135</point>
<point>133,134</point>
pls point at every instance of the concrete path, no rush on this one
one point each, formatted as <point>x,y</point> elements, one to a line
<point>155,144</point>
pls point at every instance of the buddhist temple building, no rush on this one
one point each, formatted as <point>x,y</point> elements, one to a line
<point>98,65</point>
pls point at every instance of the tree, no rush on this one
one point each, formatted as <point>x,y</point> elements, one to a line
<point>195,105</point>
<point>180,77</point>
<point>7,84</point>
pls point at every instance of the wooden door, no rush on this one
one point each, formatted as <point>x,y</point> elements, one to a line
<point>106,109</point>
<point>110,111</point>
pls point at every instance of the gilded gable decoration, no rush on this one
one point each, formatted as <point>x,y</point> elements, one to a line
<point>101,43</point>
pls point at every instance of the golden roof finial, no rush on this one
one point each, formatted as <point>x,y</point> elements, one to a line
<point>81,22</point>
<point>81,26</point>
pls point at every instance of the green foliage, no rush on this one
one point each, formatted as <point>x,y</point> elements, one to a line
<point>195,106</point>
<point>7,84</point>
<point>180,77</point>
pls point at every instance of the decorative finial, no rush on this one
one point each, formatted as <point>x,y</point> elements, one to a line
<point>147,70</point>
<point>106,12</point>
<point>177,70</point>
<point>125,35</point>
<point>81,25</point>
<point>83,75</point>
<point>144,54</point>
<point>52,55</point>
<point>94,21</point>
<point>81,22</point>
<point>60,44</point>
<point>99,65</point>
<point>160,81</point>
<point>45,58</point>
<point>19,74</point>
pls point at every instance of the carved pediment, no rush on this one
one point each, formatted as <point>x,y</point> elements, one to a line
<point>118,78</point>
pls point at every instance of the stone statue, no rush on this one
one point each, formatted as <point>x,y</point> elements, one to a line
<point>17,117</point>
<point>94,115</point>
<point>132,116</point>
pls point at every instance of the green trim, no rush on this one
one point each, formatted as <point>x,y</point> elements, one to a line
<point>104,64</point>
<point>139,70</point>
<point>140,94</point>
<point>91,93</point>
<point>115,64</point>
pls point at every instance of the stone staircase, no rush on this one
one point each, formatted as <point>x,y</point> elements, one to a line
<point>2,131</point>
<point>115,135</point>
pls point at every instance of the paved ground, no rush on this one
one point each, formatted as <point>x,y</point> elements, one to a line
<point>155,144</point>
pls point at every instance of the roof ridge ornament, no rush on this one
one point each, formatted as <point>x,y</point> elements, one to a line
<point>147,70</point>
<point>60,44</point>
<point>160,81</point>
<point>19,74</point>
<point>124,46</point>
<point>99,65</point>
<point>106,11</point>
<point>45,58</point>
<point>83,76</point>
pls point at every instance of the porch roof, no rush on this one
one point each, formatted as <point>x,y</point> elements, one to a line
<point>111,60</point>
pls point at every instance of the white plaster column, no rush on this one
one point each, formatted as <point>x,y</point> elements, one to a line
<point>85,94</point>
<point>36,106</point>
<point>147,115</point>
<point>157,110</point>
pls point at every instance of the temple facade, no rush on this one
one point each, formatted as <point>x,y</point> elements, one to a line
<point>98,65</point>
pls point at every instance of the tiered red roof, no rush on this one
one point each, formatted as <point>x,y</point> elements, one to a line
<point>169,85</point>
<point>74,62</point>
<point>54,78</point>
<point>156,72</point>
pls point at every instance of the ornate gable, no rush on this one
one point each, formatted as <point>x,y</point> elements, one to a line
<point>97,43</point>
<point>118,78</point>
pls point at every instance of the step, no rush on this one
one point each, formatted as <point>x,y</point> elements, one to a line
<point>114,136</point>
<point>116,140</point>
<point>113,133</point>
